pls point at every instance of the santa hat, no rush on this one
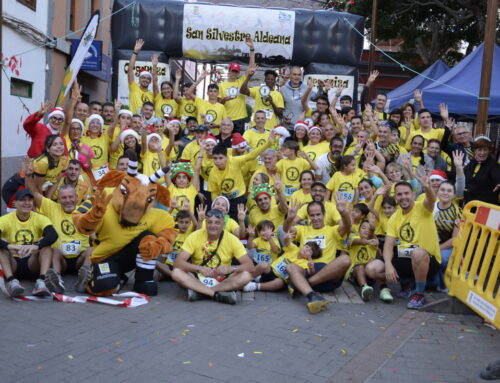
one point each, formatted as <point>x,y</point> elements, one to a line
<point>125,111</point>
<point>438,175</point>
<point>299,124</point>
<point>210,138</point>
<point>144,72</point>
<point>57,111</point>
<point>238,142</point>
<point>282,131</point>
<point>312,128</point>
<point>77,121</point>
<point>309,122</point>
<point>128,132</point>
<point>174,121</point>
<point>96,117</point>
<point>150,136</point>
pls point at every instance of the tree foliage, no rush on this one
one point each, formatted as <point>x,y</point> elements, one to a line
<point>431,29</point>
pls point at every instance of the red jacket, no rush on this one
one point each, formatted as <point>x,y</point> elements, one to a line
<point>38,133</point>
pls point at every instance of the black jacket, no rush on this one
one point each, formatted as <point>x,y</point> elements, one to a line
<point>480,186</point>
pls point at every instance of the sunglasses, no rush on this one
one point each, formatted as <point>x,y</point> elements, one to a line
<point>215,213</point>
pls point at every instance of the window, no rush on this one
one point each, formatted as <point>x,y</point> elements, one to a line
<point>21,88</point>
<point>29,3</point>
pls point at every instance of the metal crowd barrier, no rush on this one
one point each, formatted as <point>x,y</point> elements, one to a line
<point>472,275</point>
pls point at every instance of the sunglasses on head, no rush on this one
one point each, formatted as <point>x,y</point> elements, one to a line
<point>215,213</point>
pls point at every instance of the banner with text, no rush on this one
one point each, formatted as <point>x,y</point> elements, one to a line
<point>213,32</point>
<point>332,83</point>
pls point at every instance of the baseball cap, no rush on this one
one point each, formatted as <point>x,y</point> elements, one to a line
<point>235,66</point>
<point>201,128</point>
<point>20,194</point>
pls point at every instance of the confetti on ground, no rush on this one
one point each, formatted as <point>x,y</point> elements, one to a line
<point>393,369</point>
<point>190,325</point>
<point>343,352</point>
<point>31,345</point>
<point>423,324</point>
<point>372,321</point>
<point>39,368</point>
<point>382,327</point>
<point>317,337</point>
<point>424,340</point>
<point>433,376</point>
<point>210,364</point>
<point>461,337</point>
<point>258,352</point>
<point>248,341</point>
<point>71,357</point>
<point>157,333</point>
<point>441,319</point>
<point>343,324</point>
<point>242,355</point>
<point>118,342</point>
<point>119,360</point>
<point>454,357</point>
<point>295,330</point>
<point>186,362</point>
<point>308,319</point>
<point>389,354</point>
<point>104,351</point>
<point>394,332</point>
<point>469,330</point>
<point>174,340</point>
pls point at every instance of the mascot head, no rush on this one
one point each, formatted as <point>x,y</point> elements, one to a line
<point>134,193</point>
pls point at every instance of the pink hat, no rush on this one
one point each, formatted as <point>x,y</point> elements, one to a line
<point>238,142</point>
<point>300,124</point>
<point>57,111</point>
<point>235,66</point>
<point>438,175</point>
<point>211,138</point>
<point>315,128</point>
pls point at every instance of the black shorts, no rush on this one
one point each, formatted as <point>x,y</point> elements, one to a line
<point>405,270</point>
<point>267,277</point>
<point>22,269</point>
<point>71,265</point>
<point>325,286</point>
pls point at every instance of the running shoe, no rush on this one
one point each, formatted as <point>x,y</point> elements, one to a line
<point>367,293</point>
<point>194,295</point>
<point>84,277</point>
<point>14,288</point>
<point>40,289</point>
<point>416,301</point>
<point>54,282</point>
<point>317,303</point>
<point>405,292</point>
<point>385,295</point>
<point>227,297</point>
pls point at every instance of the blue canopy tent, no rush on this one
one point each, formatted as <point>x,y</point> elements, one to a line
<point>401,95</point>
<point>466,76</point>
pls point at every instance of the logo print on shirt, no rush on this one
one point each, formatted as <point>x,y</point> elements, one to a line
<point>24,237</point>
<point>406,233</point>
<point>292,174</point>
<point>67,227</point>
<point>227,185</point>
<point>97,152</point>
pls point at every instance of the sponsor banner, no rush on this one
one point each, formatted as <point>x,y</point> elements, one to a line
<point>332,81</point>
<point>123,67</point>
<point>212,32</point>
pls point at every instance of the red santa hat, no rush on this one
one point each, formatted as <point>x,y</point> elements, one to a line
<point>57,111</point>
<point>438,175</point>
<point>299,124</point>
<point>238,142</point>
<point>210,138</point>
<point>128,132</point>
<point>312,128</point>
<point>144,72</point>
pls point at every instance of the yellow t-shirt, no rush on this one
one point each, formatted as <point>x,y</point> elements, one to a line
<point>180,238</point>
<point>289,171</point>
<point>230,182</point>
<point>71,242</point>
<point>165,106</point>
<point>255,138</point>
<point>113,156</point>
<point>203,253</point>
<point>332,215</point>
<point>433,133</point>
<point>100,148</point>
<point>186,108</point>
<point>190,152</point>
<point>274,215</point>
<point>16,232</point>
<point>346,185</point>
<point>112,236</point>
<point>360,255</point>
<point>137,97</point>
<point>328,239</point>
<point>301,197</point>
<point>262,251</point>
<point>150,162</point>
<point>236,108</point>
<point>217,111</point>
<point>316,151</point>
<point>260,104</point>
<point>415,228</point>
<point>182,194</point>
<point>41,168</point>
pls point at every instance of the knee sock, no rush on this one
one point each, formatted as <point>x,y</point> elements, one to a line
<point>420,287</point>
<point>144,269</point>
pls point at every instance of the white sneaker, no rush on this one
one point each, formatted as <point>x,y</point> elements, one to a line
<point>14,288</point>
<point>40,289</point>
<point>250,286</point>
<point>54,281</point>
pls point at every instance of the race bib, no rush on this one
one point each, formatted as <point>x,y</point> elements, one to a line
<point>207,281</point>
<point>320,240</point>
<point>269,113</point>
<point>280,268</point>
<point>71,248</point>
<point>405,251</point>
<point>289,190</point>
<point>347,196</point>
<point>100,172</point>
<point>262,257</point>
<point>171,258</point>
